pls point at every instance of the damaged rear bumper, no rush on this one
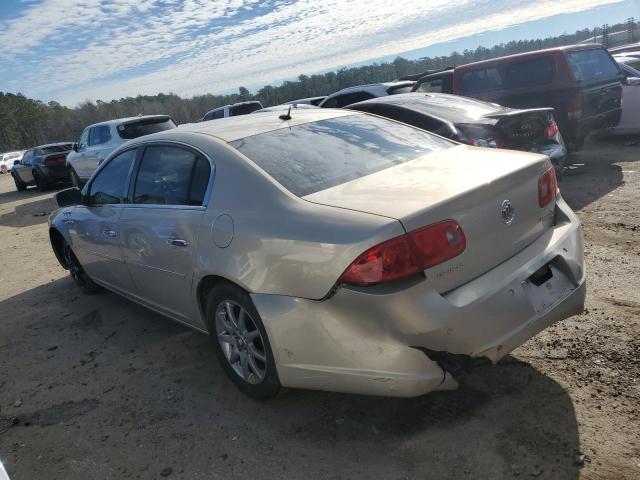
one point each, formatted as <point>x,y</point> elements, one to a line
<point>373,340</point>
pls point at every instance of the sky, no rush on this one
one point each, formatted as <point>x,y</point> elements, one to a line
<point>76,50</point>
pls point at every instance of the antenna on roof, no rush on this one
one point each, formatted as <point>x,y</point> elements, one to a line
<point>286,116</point>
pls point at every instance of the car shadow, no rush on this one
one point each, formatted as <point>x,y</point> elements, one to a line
<point>127,377</point>
<point>594,171</point>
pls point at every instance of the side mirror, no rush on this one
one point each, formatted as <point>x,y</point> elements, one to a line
<point>633,81</point>
<point>16,162</point>
<point>69,197</point>
<point>75,146</point>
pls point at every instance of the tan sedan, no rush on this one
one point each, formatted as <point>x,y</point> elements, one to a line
<point>329,249</point>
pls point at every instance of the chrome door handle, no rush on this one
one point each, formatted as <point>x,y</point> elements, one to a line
<point>177,242</point>
<point>109,233</point>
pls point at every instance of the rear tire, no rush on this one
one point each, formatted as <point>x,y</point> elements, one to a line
<point>241,343</point>
<point>79,276</point>
<point>20,185</point>
<point>41,183</point>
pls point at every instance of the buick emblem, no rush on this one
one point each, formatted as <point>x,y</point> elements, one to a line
<point>507,212</point>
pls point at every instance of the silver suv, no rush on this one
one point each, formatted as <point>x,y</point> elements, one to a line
<point>242,108</point>
<point>100,139</point>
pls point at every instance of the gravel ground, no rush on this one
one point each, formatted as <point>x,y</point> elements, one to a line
<point>98,387</point>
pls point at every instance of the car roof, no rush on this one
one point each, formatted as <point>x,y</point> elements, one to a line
<point>117,121</point>
<point>234,128</point>
<point>452,108</point>
<point>533,53</point>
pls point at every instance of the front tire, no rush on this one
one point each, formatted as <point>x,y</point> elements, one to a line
<point>79,276</point>
<point>241,343</point>
<point>20,185</point>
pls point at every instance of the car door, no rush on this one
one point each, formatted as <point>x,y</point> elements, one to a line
<point>93,226</point>
<point>160,226</point>
<point>23,169</point>
<point>630,119</point>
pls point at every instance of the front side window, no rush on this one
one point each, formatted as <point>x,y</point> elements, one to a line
<point>344,149</point>
<point>171,175</point>
<point>110,185</point>
<point>84,139</point>
<point>99,135</point>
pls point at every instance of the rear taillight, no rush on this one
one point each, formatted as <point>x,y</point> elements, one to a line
<point>552,128</point>
<point>547,187</point>
<point>57,160</point>
<point>407,254</point>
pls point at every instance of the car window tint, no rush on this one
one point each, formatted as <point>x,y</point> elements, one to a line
<point>592,66</point>
<point>171,176</point>
<point>145,126</point>
<point>99,134</point>
<point>244,108</point>
<point>430,86</point>
<point>510,75</point>
<point>109,185</point>
<point>344,148</point>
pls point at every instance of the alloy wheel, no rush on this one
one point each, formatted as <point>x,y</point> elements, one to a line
<point>241,341</point>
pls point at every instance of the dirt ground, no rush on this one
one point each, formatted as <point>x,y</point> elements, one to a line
<point>98,387</point>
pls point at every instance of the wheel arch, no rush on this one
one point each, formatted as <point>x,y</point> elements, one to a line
<point>57,244</point>
<point>205,285</point>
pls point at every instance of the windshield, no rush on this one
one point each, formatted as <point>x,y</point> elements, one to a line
<point>145,127</point>
<point>315,156</point>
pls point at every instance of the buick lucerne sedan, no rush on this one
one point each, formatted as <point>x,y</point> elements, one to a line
<point>329,249</point>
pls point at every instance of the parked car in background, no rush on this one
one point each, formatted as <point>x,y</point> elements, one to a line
<point>100,139</point>
<point>7,159</point>
<point>474,122</point>
<point>285,107</point>
<point>632,47</point>
<point>630,121</point>
<point>315,101</point>
<point>359,93</point>
<point>582,83</point>
<point>632,59</point>
<point>43,166</point>
<point>345,252</point>
<point>242,108</point>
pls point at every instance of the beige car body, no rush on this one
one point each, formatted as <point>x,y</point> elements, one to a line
<point>287,252</point>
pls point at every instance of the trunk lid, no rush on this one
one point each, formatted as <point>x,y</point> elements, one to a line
<point>465,184</point>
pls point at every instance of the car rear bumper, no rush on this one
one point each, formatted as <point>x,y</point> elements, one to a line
<point>369,340</point>
<point>57,173</point>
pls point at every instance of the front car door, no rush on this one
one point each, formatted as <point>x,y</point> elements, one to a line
<point>93,226</point>
<point>23,169</point>
<point>630,120</point>
<point>77,158</point>
<point>160,226</point>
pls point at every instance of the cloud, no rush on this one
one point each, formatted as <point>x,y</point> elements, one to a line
<point>77,49</point>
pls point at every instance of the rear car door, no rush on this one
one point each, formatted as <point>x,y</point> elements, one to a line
<point>94,228</point>
<point>23,169</point>
<point>160,226</point>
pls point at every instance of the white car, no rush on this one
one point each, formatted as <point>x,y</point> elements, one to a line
<point>7,160</point>
<point>360,93</point>
<point>630,120</point>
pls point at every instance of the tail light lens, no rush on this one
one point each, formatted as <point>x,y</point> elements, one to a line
<point>407,254</point>
<point>57,160</point>
<point>552,129</point>
<point>547,187</point>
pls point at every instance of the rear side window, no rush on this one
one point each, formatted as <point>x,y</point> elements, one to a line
<point>531,72</point>
<point>145,127</point>
<point>345,99</point>
<point>171,176</point>
<point>100,134</point>
<point>109,186</point>
<point>592,66</point>
<point>344,149</point>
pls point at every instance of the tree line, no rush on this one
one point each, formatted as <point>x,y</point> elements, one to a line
<point>26,122</point>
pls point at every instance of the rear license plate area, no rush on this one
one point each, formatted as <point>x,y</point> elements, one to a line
<point>546,286</point>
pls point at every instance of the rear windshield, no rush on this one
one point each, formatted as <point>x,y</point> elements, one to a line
<point>517,74</point>
<point>592,66</point>
<point>244,109</point>
<point>315,156</point>
<point>56,148</point>
<point>145,127</point>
